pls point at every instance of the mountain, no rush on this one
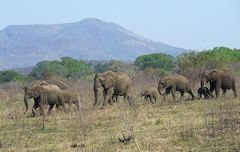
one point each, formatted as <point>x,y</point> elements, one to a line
<point>89,39</point>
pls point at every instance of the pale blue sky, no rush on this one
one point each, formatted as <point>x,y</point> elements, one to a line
<point>190,24</point>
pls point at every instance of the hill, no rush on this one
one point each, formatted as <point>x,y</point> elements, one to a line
<point>89,39</point>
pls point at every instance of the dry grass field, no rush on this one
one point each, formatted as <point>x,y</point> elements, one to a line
<point>199,125</point>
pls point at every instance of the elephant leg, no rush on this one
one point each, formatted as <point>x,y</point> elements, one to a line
<point>77,104</point>
<point>217,88</point>
<point>42,102</point>
<point>173,91</point>
<point>108,96</point>
<point>155,98</point>
<point>224,92</point>
<point>116,99</point>
<point>58,106</point>
<point>35,106</point>
<point>234,90</point>
<point>151,99</point>
<point>124,98</point>
<point>50,109</point>
<point>145,98</point>
<point>212,88</point>
<point>41,106</point>
<point>104,98</point>
<point>129,98</point>
<point>182,95</point>
<point>191,93</point>
<point>70,105</point>
<point>167,91</point>
<point>217,92</point>
<point>61,102</point>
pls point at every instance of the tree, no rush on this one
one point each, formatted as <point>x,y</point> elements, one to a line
<point>193,63</point>
<point>66,67</point>
<point>8,76</point>
<point>156,60</point>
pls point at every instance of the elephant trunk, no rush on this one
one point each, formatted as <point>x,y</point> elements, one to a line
<point>159,90</point>
<point>202,82</point>
<point>96,97</point>
<point>26,104</point>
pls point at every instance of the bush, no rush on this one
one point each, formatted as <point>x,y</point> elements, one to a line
<point>8,75</point>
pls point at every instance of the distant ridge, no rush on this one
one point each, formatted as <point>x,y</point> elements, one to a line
<point>89,39</point>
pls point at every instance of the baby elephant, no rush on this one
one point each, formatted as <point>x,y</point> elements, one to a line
<point>150,94</point>
<point>71,97</point>
<point>205,92</point>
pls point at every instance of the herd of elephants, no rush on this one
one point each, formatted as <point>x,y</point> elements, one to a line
<point>114,84</point>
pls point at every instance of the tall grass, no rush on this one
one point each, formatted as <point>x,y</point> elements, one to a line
<point>200,125</point>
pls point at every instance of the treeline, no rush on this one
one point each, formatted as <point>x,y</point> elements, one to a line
<point>190,63</point>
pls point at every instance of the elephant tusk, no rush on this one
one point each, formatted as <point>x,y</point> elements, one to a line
<point>99,88</point>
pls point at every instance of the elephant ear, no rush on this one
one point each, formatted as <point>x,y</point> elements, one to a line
<point>109,79</point>
<point>168,82</point>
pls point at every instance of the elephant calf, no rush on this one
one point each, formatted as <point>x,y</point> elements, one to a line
<point>151,94</point>
<point>71,97</point>
<point>205,92</point>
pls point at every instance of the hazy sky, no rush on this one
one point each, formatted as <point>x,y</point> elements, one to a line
<point>190,24</point>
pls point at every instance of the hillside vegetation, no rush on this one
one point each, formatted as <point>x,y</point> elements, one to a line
<point>190,63</point>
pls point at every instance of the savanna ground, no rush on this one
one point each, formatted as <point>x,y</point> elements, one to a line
<point>200,125</point>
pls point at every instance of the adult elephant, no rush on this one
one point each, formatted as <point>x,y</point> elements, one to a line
<point>43,94</point>
<point>223,79</point>
<point>173,84</point>
<point>70,96</point>
<point>113,83</point>
<point>60,83</point>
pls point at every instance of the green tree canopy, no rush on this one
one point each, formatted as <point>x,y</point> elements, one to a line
<point>156,60</point>
<point>9,75</point>
<point>67,67</point>
<point>193,63</point>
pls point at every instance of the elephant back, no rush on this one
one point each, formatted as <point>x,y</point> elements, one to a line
<point>61,84</point>
<point>51,88</point>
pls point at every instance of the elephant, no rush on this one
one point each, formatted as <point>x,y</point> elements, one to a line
<point>175,83</point>
<point>113,84</point>
<point>61,84</point>
<point>150,94</point>
<point>69,95</point>
<point>43,94</point>
<point>223,79</point>
<point>205,92</point>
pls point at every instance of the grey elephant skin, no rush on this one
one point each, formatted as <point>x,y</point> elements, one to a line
<point>43,94</point>
<point>219,79</point>
<point>151,94</point>
<point>175,83</point>
<point>70,96</point>
<point>113,83</point>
